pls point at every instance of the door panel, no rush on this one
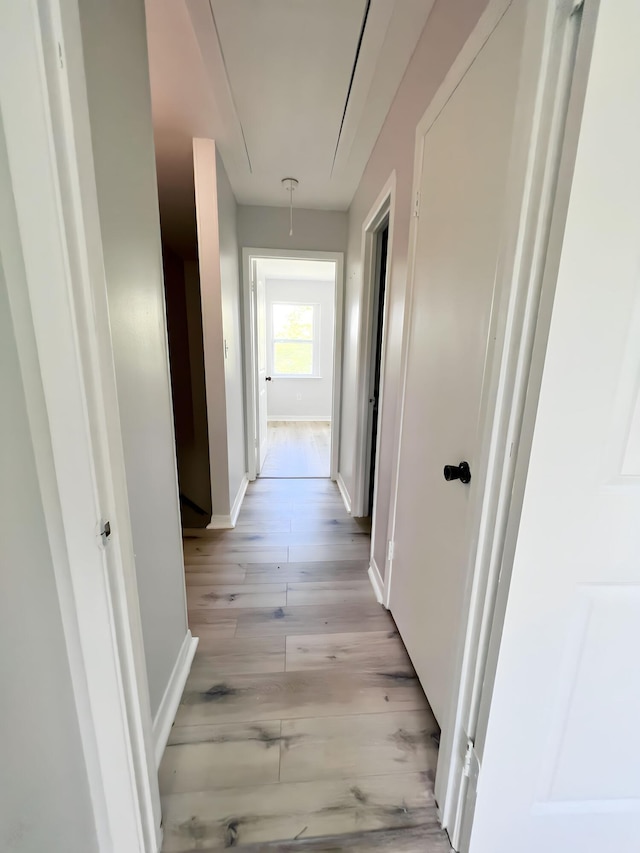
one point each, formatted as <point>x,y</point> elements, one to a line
<point>561,761</point>
<point>261,352</point>
<point>464,170</point>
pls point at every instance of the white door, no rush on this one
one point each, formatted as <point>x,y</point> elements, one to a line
<point>261,370</point>
<point>464,170</point>
<point>560,769</point>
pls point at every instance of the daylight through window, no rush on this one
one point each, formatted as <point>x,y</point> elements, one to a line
<point>293,339</point>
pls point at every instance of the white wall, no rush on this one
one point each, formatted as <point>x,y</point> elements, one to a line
<point>307,398</point>
<point>114,42</point>
<point>313,230</point>
<point>447,28</point>
<point>44,793</point>
<point>232,325</point>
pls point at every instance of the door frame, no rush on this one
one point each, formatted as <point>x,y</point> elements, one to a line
<point>60,317</point>
<point>250,347</point>
<point>382,209</point>
<point>517,324</point>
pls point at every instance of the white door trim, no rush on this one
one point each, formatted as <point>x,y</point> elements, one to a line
<point>250,347</point>
<point>535,261</point>
<point>383,207</point>
<point>61,324</point>
<point>530,198</point>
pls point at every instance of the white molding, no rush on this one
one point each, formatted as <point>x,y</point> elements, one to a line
<point>344,492</point>
<point>383,206</point>
<point>325,419</point>
<point>168,707</point>
<point>228,522</point>
<point>237,503</point>
<point>482,31</point>
<point>220,522</point>
<point>248,255</point>
<point>376,581</point>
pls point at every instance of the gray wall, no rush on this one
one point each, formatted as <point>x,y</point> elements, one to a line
<point>315,392</point>
<point>313,230</point>
<point>44,794</point>
<point>232,329</point>
<point>114,40</point>
<point>446,30</point>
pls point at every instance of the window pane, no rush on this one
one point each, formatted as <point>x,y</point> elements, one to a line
<point>293,322</point>
<point>295,358</point>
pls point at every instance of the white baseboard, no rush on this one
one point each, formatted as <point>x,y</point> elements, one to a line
<point>168,709</point>
<point>228,522</point>
<point>300,418</point>
<point>220,522</point>
<point>376,581</point>
<point>344,492</point>
<point>235,509</point>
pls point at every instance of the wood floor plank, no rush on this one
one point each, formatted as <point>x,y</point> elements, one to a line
<point>329,592</point>
<point>312,524</point>
<point>241,655</point>
<point>409,839</point>
<point>348,651</point>
<point>335,509</point>
<point>313,619</point>
<point>273,522</point>
<point>239,556</point>
<point>321,553</point>
<point>214,575</point>
<point>288,695</point>
<point>241,540</point>
<point>306,501</point>
<point>346,570</point>
<point>211,635</point>
<point>202,564</point>
<point>365,744</point>
<point>226,756</point>
<point>284,485</point>
<point>223,597</point>
<point>232,817</point>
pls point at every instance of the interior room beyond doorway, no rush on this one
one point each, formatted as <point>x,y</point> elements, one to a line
<point>295,323</point>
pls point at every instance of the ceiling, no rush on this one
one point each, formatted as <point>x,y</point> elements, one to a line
<point>295,88</point>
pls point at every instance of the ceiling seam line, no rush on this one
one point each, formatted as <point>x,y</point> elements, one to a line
<point>233,100</point>
<point>349,88</point>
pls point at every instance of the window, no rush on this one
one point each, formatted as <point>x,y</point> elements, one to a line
<point>295,339</point>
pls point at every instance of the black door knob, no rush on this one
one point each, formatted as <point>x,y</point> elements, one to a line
<point>267,379</point>
<point>460,472</point>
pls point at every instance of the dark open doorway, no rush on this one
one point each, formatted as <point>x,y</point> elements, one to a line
<point>382,243</point>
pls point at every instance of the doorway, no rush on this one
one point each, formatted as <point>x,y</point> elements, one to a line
<point>293,316</point>
<point>375,371</point>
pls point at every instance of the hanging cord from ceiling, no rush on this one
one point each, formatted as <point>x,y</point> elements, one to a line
<point>290,184</point>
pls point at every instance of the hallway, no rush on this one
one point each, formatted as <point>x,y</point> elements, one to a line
<point>302,725</point>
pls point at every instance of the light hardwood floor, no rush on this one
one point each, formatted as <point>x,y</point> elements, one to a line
<point>298,449</point>
<point>302,726</point>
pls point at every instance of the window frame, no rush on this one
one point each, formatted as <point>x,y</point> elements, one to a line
<point>314,340</point>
